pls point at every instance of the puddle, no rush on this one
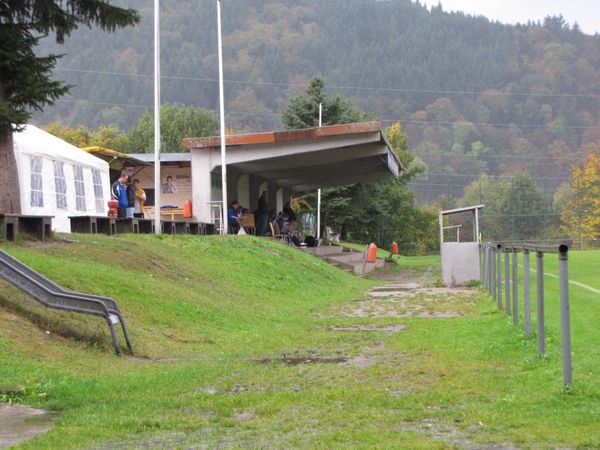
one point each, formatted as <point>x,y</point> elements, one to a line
<point>388,329</point>
<point>19,423</point>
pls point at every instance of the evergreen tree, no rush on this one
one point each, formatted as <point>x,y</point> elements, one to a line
<point>25,79</point>
<point>303,110</point>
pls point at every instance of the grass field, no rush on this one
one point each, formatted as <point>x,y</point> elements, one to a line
<point>236,347</point>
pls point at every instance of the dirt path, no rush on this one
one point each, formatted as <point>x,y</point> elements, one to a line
<point>19,423</point>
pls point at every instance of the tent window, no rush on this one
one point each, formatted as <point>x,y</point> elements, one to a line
<point>37,193</point>
<point>98,194</point>
<point>79,189</point>
<point>60,185</point>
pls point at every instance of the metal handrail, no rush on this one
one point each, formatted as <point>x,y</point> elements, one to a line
<point>49,294</point>
<point>492,280</point>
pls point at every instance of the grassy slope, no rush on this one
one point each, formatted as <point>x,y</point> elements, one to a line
<point>205,309</point>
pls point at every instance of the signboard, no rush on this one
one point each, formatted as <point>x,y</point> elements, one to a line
<point>392,164</point>
<point>175,181</point>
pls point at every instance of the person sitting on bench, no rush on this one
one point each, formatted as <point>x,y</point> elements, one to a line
<point>233,213</point>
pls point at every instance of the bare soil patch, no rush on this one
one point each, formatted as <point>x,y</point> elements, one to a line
<point>409,300</point>
<point>452,435</point>
<point>388,329</point>
<point>296,359</point>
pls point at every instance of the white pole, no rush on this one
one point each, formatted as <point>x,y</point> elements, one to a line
<point>319,190</point>
<point>157,180</point>
<point>318,214</point>
<point>222,113</point>
<point>320,115</point>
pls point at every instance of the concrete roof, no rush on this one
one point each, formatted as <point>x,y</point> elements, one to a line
<point>309,158</point>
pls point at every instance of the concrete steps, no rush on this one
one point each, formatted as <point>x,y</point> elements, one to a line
<point>344,258</point>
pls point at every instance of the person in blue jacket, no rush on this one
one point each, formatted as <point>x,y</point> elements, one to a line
<point>233,212</point>
<point>119,193</point>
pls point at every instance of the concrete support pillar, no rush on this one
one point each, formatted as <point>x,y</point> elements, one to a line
<point>243,190</point>
<point>280,201</point>
<point>272,196</point>
<point>232,184</point>
<point>254,191</point>
<point>201,185</point>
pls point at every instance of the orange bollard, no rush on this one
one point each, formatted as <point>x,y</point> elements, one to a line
<point>187,209</point>
<point>372,253</point>
<point>394,248</point>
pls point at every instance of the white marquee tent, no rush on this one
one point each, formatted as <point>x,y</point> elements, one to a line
<point>58,179</point>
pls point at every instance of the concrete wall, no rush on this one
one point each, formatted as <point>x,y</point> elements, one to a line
<point>182,182</point>
<point>460,262</point>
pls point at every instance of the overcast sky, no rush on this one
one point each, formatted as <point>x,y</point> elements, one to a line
<point>585,12</point>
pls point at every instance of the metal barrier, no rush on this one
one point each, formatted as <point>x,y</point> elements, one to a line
<point>492,281</point>
<point>51,295</point>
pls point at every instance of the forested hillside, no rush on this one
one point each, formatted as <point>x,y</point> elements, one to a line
<point>473,96</point>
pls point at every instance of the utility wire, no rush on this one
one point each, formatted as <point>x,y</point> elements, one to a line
<point>383,120</point>
<point>339,86</point>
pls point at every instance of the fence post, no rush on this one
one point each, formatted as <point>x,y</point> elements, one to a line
<point>565,326</point>
<point>493,271</point>
<point>507,281</point>
<point>482,263</point>
<point>488,271</point>
<point>484,272</point>
<point>515,288</point>
<point>539,275</point>
<point>487,268</point>
<point>499,275</point>
<point>526,294</point>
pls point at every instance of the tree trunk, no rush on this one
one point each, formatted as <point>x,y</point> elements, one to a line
<point>10,195</point>
<point>10,191</point>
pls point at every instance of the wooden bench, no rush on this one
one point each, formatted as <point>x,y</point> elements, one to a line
<point>164,213</point>
<point>172,212</point>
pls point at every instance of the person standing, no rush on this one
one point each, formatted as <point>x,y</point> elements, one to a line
<point>119,193</point>
<point>130,197</point>
<point>140,198</point>
<point>262,213</point>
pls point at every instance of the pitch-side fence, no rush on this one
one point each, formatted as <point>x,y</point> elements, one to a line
<point>508,298</point>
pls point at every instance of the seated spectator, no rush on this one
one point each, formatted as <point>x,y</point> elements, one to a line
<point>233,213</point>
<point>279,220</point>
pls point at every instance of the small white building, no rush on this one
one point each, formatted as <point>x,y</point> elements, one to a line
<point>58,179</point>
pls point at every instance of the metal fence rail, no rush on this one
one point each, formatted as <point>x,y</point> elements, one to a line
<point>49,294</point>
<point>492,280</point>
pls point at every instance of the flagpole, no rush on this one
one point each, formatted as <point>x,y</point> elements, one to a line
<point>318,233</point>
<point>222,114</point>
<point>157,179</point>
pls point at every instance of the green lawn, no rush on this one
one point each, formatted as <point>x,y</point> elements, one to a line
<point>213,321</point>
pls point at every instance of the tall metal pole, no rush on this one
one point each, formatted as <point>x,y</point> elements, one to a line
<point>318,213</point>
<point>319,190</point>
<point>222,116</point>
<point>157,180</point>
